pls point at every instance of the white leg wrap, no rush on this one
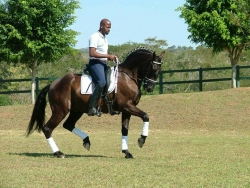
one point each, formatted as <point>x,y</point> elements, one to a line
<point>145,128</point>
<point>79,133</point>
<point>124,142</point>
<point>52,144</point>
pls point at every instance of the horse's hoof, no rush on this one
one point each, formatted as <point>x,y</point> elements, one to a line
<point>141,142</point>
<point>86,143</point>
<point>59,154</point>
<point>86,146</point>
<point>129,156</point>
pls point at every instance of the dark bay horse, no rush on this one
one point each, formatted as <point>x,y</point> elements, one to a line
<point>141,66</point>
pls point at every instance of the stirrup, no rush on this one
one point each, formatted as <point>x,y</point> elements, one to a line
<point>93,112</point>
<point>110,106</point>
<point>114,112</point>
<point>98,113</point>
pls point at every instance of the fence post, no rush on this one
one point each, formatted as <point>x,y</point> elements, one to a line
<point>237,76</point>
<point>160,84</point>
<point>200,79</point>
<point>37,86</point>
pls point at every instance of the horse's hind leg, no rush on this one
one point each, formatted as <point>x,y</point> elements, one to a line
<point>69,124</point>
<point>48,129</point>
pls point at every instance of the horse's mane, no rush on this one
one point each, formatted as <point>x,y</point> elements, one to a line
<point>137,50</point>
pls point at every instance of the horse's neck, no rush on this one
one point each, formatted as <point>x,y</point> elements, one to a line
<point>133,65</point>
<point>132,71</point>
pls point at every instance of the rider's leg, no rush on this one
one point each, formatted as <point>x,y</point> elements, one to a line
<point>93,101</point>
<point>98,72</point>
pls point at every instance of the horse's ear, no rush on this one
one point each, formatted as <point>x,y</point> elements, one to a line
<point>162,54</point>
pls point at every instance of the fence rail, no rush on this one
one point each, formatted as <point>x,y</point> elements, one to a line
<point>161,83</point>
<point>200,79</point>
<point>37,80</point>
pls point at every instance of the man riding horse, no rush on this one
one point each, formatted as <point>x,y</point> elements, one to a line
<point>98,55</point>
<point>141,66</point>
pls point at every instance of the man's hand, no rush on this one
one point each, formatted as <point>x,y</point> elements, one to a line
<point>111,57</point>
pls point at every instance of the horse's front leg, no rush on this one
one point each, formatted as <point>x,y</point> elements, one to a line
<point>133,110</point>
<point>124,130</point>
<point>145,127</point>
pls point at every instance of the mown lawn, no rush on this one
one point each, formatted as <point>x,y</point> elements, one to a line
<point>195,140</point>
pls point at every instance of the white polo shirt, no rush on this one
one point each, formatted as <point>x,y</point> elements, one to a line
<point>98,41</point>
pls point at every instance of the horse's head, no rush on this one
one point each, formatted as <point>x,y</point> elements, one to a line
<point>145,66</point>
<point>153,71</point>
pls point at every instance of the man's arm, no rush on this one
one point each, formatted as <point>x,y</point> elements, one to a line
<point>93,53</point>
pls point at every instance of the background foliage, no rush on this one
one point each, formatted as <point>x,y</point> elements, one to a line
<point>221,25</point>
<point>38,31</point>
<point>176,57</point>
<point>36,41</point>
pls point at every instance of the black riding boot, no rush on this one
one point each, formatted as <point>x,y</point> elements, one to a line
<point>93,101</point>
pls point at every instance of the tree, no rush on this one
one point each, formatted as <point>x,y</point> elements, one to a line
<point>219,24</point>
<point>73,63</point>
<point>36,31</point>
<point>152,43</point>
<point>156,44</point>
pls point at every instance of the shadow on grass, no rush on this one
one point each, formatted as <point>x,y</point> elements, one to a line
<point>52,156</point>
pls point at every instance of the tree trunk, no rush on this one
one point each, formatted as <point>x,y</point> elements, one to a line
<point>233,81</point>
<point>234,56</point>
<point>33,83</point>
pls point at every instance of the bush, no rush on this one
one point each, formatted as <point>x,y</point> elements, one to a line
<point>4,100</point>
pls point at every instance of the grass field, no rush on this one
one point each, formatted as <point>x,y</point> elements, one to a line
<point>195,140</point>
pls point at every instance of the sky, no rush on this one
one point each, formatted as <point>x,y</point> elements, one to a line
<point>132,21</point>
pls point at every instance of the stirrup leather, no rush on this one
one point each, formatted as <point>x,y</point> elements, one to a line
<point>110,106</point>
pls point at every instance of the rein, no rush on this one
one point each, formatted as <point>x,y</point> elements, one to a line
<point>129,75</point>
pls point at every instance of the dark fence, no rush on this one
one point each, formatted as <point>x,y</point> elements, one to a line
<point>37,80</point>
<point>200,79</point>
<point>161,83</point>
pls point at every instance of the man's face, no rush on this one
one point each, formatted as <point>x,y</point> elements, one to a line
<point>105,28</point>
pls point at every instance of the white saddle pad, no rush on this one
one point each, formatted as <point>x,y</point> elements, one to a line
<point>87,86</point>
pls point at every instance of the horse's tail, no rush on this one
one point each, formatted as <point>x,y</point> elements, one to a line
<point>38,114</point>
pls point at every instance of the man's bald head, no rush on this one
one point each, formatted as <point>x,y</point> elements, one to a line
<point>105,26</point>
<point>104,21</point>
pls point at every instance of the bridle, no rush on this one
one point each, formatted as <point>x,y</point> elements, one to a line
<point>146,79</point>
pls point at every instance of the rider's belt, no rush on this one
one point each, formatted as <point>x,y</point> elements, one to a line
<point>104,61</point>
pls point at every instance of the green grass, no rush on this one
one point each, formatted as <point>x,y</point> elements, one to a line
<point>195,140</point>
